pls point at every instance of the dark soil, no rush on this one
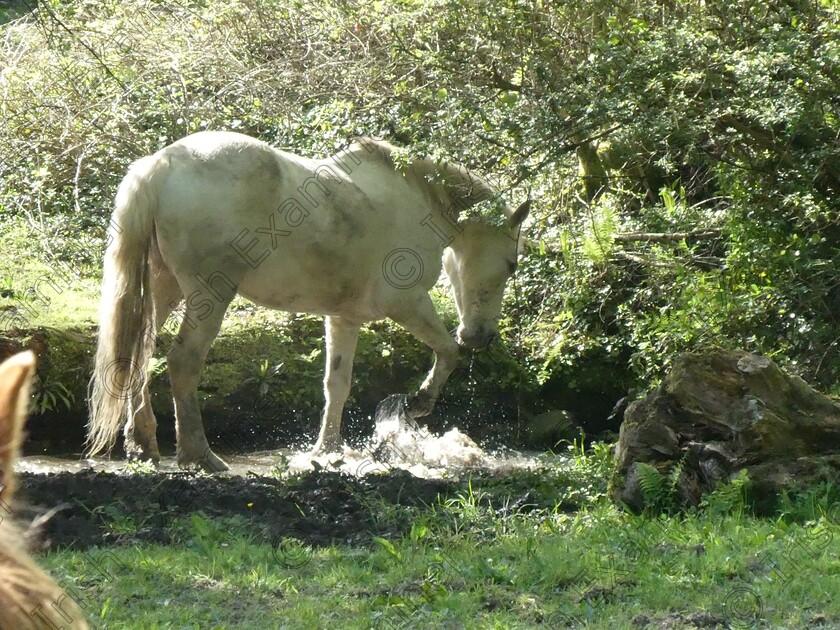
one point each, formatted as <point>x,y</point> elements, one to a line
<point>318,508</point>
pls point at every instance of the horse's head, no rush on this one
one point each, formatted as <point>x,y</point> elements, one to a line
<point>478,262</point>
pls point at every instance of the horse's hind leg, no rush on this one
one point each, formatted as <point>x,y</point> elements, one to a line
<point>141,428</point>
<point>341,348</point>
<point>205,311</point>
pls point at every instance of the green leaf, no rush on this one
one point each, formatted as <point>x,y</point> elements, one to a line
<point>201,526</point>
<point>509,98</point>
<point>388,546</point>
<point>668,199</point>
<point>418,531</point>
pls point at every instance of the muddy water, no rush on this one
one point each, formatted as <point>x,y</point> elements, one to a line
<point>324,500</point>
<point>321,504</point>
<point>359,462</point>
<point>396,444</point>
<point>261,464</point>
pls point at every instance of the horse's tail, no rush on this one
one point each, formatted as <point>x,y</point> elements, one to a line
<point>126,312</point>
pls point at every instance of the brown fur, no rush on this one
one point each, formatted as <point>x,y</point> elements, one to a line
<point>29,599</point>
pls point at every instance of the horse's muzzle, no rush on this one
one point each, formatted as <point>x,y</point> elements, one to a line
<point>476,339</point>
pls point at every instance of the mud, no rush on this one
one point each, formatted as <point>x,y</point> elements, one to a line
<point>98,508</point>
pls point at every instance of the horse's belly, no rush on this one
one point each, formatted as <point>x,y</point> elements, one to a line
<point>317,297</point>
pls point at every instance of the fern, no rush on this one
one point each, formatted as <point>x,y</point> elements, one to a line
<point>729,498</point>
<point>674,478</point>
<point>661,492</point>
<point>654,486</point>
<point>597,243</point>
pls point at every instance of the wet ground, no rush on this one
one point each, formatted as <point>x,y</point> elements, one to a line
<point>106,508</point>
<point>275,495</point>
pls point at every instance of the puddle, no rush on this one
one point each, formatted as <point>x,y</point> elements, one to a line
<point>397,444</point>
<point>441,458</point>
<point>101,503</point>
<point>322,500</point>
<point>260,463</point>
<point>366,491</point>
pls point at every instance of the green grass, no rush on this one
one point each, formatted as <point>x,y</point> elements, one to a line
<point>39,289</point>
<point>466,563</point>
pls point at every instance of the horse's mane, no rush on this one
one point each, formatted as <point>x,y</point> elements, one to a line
<point>454,187</point>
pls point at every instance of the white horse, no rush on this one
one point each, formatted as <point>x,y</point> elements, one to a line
<point>356,237</point>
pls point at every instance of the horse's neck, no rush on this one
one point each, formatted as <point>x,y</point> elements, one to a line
<point>444,222</point>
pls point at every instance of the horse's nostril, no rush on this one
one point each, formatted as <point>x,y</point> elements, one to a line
<point>476,339</point>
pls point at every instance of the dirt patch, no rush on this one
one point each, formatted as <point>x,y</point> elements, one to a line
<point>91,508</point>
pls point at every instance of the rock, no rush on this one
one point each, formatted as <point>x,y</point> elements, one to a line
<point>722,411</point>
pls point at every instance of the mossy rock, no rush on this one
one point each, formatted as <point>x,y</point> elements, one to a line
<point>722,411</point>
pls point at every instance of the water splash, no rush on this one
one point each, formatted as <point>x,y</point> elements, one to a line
<point>398,442</point>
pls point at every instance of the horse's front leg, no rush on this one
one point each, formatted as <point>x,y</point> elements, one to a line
<point>419,317</point>
<point>341,348</point>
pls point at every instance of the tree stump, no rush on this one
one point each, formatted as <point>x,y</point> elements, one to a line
<point>719,412</point>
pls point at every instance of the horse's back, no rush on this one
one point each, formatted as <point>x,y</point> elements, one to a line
<point>214,154</point>
<point>210,142</point>
<point>298,234</point>
<point>219,173</point>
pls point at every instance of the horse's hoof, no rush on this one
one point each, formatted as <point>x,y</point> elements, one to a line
<point>419,405</point>
<point>208,462</point>
<point>134,451</point>
<point>212,463</point>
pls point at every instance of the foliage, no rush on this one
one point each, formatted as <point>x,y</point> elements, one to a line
<point>49,395</point>
<point>663,493</point>
<point>265,377</point>
<point>730,497</point>
<point>821,501</point>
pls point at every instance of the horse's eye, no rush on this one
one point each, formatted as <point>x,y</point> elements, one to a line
<point>512,264</point>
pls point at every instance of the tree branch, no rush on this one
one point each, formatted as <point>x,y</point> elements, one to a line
<point>99,60</point>
<point>665,237</point>
<point>556,152</point>
<point>641,260</point>
<point>502,83</point>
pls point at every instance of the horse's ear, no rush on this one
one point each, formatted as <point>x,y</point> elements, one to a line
<point>520,214</point>
<point>15,377</point>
